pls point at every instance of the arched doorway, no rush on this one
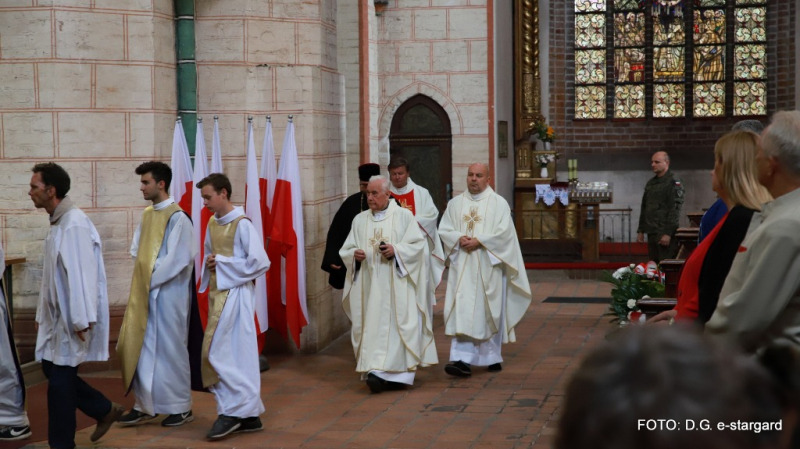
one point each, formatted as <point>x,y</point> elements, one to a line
<point>421,134</point>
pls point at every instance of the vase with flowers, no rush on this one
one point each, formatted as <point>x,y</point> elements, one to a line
<point>544,132</point>
<point>543,160</point>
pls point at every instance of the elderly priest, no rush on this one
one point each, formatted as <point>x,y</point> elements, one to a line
<point>385,296</point>
<point>487,287</point>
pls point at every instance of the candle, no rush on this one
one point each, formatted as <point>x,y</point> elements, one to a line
<point>575,169</point>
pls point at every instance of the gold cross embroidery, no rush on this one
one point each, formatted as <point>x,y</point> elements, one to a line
<point>404,204</point>
<point>472,218</point>
<point>377,238</point>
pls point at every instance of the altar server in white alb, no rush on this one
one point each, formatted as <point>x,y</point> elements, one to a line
<point>14,423</point>
<point>418,200</point>
<point>152,344</point>
<point>73,310</point>
<point>487,287</point>
<point>385,292</point>
<point>235,257</point>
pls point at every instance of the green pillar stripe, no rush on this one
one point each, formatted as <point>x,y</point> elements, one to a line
<point>186,69</point>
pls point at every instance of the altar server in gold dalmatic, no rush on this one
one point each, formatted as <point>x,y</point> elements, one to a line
<point>235,257</point>
<point>487,287</point>
<point>155,330</point>
<point>385,292</point>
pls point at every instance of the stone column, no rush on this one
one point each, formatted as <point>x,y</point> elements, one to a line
<point>279,58</point>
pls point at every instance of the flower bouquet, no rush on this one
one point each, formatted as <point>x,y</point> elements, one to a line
<point>630,286</point>
<point>544,132</point>
<point>544,159</point>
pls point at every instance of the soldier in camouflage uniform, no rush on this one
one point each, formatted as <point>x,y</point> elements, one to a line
<point>661,208</point>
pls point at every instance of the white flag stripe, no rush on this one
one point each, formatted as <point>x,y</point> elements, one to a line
<point>268,168</point>
<point>200,172</point>
<point>216,150</point>
<point>290,172</point>
<point>181,164</point>
<point>252,208</point>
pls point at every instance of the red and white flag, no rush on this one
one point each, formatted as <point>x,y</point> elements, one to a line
<point>216,150</point>
<point>181,185</point>
<point>200,216</point>
<point>267,180</point>
<point>252,209</point>
<point>287,234</point>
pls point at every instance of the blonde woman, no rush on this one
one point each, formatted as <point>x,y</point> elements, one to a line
<point>735,180</point>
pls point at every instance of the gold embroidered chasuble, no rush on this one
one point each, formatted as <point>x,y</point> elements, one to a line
<point>222,241</point>
<point>134,323</point>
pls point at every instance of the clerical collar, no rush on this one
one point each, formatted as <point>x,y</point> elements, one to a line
<point>482,195</point>
<point>381,214</point>
<point>163,204</point>
<point>63,207</point>
<point>230,216</point>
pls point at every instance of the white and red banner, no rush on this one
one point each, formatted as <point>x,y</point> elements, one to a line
<point>200,216</point>
<point>267,180</point>
<point>181,185</point>
<point>252,209</point>
<point>216,150</point>
<point>287,235</point>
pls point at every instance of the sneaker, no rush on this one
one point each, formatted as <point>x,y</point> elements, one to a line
<point>494,368</point>
<point>134,417</point>
<point>223,426</point>
<point>105,423</point>
<point>375,383</point>
<point>177,419</point>
<point>458,369</point>
<point>14,433</point>
<point>252,424</point>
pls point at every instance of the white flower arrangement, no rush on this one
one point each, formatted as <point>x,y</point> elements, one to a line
<point>544,159</point>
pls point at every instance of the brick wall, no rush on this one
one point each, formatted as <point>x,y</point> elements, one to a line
<point>626,145</point>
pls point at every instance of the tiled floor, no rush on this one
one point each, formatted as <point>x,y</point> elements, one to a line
<point>317,401</point>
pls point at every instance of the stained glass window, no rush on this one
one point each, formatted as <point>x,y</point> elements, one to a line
<point>590,59</point>
<point>687,44</point>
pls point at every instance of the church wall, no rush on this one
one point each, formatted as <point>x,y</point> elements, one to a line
<point>347,21</point>
<point>619,151</point>
<point>91,86</point>
<point>504,97</point>
<point>280,58</point>
<point>438,48</point>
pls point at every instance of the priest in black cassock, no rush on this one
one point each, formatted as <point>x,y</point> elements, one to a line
<point>342,222</point>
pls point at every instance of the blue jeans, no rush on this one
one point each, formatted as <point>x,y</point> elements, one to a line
<point>65,393</point>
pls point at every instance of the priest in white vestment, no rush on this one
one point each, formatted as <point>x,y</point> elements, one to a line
<point>385,292</point>
<point>155,330</point>
<point>14,423</point>
<point>487,287</point>
<point>418,200</point>
<point>73,310</point>
<point>235,257</point>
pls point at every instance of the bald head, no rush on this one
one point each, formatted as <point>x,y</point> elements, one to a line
<point>659,163</point>
<point>477,178</point>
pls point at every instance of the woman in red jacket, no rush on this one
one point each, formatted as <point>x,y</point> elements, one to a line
<point>735,180</point>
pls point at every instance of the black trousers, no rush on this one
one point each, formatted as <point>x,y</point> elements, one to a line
<point>65,393</point>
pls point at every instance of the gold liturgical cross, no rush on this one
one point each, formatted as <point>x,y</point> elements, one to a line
<point>472,218</point>
<point>377,238</point>
<point>404,204</point>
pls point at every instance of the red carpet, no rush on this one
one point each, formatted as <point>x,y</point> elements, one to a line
<point>37,408</point>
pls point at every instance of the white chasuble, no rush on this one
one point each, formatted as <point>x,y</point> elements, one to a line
<point>162,383</point>
<point>74,293</point>
<point>12,385</point>
<point>427,215</point>
<point>232,347</point>
<point>487,289</point>
<point>386,300</point>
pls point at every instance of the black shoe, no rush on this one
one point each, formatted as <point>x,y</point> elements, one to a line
<point>14,433</point>
<point>134,417</point>
<point>252,424</point>
<point>105,423</point>
<point>177,419</point>
<point>223,426</point>
<point>375,383</point>
<point>458,369</point>
<point>263,364</point>
<point>495,368</point>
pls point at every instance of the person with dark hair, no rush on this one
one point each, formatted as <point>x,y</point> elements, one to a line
<point>340,226</point>
<point>623,387</point>
<point>661,209</point>
<point>234,258</point>
<point>14,424</point>
<point>72,315</point>
<point>153,341</point>
<point>418,200</point>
